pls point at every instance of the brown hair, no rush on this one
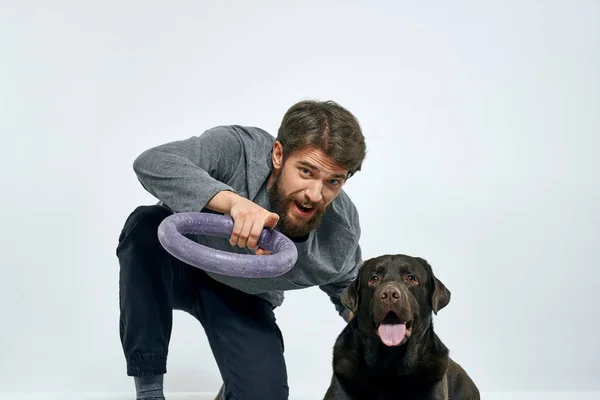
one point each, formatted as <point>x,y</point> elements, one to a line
<point>327,126</point>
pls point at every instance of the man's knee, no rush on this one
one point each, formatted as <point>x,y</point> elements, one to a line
<point>267,387</point>
<point>272,388</point>
<point>265,378</point>
<point>253,367</point>
<point>142,224</point>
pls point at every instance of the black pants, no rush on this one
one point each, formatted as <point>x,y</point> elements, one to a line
<point>241,329</point>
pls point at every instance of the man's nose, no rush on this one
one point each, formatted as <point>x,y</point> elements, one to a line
<point>389,294</point>
<point>313,191</point>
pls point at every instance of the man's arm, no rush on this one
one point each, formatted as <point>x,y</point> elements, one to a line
<point>190,175</point>
<point>335,289</point>
<point>187,174</point>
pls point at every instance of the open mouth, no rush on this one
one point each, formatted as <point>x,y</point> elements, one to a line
<point>304,210</point>
<point>393,331</point>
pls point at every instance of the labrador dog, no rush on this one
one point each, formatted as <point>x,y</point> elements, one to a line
<point>389,349</point>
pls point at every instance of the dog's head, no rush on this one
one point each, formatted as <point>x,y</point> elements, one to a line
<point>394,295</point>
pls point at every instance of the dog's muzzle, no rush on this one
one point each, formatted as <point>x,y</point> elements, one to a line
<point>392,315</point>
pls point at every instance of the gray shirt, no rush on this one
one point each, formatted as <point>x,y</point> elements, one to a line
<point>184,175</point>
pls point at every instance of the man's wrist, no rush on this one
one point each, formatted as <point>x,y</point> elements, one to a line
<point>223,201</point>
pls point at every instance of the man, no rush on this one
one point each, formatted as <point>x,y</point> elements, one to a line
<point>293,184</point>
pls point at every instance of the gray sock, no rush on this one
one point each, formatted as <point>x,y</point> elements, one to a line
<point>149,388</point>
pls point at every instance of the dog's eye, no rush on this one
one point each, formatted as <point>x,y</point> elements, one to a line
<point>374,279</point>
<point>411,279</point>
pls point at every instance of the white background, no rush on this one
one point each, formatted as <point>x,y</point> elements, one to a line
<point>482,122</point>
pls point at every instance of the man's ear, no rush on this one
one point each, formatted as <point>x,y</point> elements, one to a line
<point>349,296</point>
<point>440,295</point>
<point>277,155</point>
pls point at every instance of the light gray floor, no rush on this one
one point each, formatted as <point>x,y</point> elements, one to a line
<point>200,396</point>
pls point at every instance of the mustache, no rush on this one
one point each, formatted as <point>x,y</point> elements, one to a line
<point>304,201</point>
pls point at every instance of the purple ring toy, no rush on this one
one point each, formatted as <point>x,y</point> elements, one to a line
<point>170,234</point>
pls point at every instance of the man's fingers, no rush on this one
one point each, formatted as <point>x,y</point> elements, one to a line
<point>245,233</point>
<point>262,252</point>
<point>238,224</point>
<point>271,220</point>
<point>248,226</point>
<point>254,235</point>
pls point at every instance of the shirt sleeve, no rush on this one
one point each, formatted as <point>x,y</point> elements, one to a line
<point>186,174</point>
<point>334,289</point>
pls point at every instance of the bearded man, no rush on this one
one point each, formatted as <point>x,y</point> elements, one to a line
<point>292,183</point>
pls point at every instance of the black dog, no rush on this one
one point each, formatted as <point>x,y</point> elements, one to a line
<point>389,349</point>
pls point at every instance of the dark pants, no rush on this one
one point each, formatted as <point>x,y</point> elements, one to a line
<point>241,329</point>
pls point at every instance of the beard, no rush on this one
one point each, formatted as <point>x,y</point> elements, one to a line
<point>281,204</point>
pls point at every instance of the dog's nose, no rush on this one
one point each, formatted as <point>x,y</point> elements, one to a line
<point>390,294</point>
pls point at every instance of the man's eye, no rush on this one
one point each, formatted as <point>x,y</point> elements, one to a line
<point>305,171</point>
<point>334,182</point>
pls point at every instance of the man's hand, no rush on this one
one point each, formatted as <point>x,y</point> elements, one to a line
<point>249,220</point>
<point>350,316</point>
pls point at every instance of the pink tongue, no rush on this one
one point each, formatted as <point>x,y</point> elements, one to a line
<point>391,334</point>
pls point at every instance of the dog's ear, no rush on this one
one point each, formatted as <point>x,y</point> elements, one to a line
<point>440,295</point>
<point>349,296</point>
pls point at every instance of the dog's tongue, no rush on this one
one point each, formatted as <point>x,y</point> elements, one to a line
<point>391,334</point>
